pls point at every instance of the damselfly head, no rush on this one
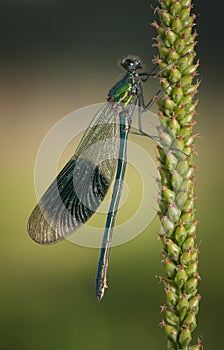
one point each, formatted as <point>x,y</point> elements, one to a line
<point>131,63</point>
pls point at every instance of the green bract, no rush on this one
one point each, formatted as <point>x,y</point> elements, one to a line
<point>175,43</point>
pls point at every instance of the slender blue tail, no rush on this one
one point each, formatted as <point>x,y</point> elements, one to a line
<point>101,277</point>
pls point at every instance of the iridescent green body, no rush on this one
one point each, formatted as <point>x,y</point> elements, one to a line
<point>82,184</point>
<point>122,94</point>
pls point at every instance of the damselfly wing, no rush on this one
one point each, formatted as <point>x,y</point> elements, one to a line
<point>82,184</point>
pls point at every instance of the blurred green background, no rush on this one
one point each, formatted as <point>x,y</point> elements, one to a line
<point>57,56</point>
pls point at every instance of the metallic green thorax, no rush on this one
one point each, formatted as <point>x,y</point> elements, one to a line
<point>122,91</point>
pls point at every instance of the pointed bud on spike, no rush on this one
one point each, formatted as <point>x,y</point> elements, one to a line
<point>185,131</point>
<point>188,217</point>
<point>176,24</point>
<point>189,204</point>
<point>171,316</point>
<point>186,258</point>
<point>169,285</point>
<point>181,198</point>
<point>173,212</point>
<point>166,85</point>
<point>194,254</point>
<point>189,243</point>
<point>168,103</point>
<point>176,180</point>
<point>193,268</point>
<point>179,111</point>
<point>168,225</point>
<point>170,267</point>
<point>182,306</point>
<point>188,118</point>
<point>192,229</point>
<point>190,172</point>
<point>173,250</point>
<point>174,75</point>
<point>187,100</point>
<point>163,51</point>
<point>167,193</point>
<point>188,21</point>
<point>190,287</point>
<point>171,297</point>
<point>194,303</point>
<point>164,174</point>
<point>173,55</point>
<point>174,125</point>
<point>180,45</point>
<point>175,7</point>
<point>166,18</point>
<point>183,65</point>
<point>190,321</point>
<point>186,80</point>
<point>177,94</point>
<point>182,167</point>
<point>180,234</point>
<point>192,107</point>
<point>171,161</point>
<point>185,337</point>
<point>166,138</point>
<point>191,69</point>
<point>181,277</point>
<point>185,12</point>
<point>190,90</point>
<point>171,332</point>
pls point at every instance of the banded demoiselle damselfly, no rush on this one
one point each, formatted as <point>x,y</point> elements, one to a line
<point>82,184</point>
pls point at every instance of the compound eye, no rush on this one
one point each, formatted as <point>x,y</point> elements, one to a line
<point>123,61</point>
<point>130,63</point>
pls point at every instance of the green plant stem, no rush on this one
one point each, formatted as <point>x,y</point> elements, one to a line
<point>176,42</point>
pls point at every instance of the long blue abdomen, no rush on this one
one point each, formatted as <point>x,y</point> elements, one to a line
<point>101,282</point>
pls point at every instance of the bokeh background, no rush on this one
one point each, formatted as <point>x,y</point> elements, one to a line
<point>57,56</point>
